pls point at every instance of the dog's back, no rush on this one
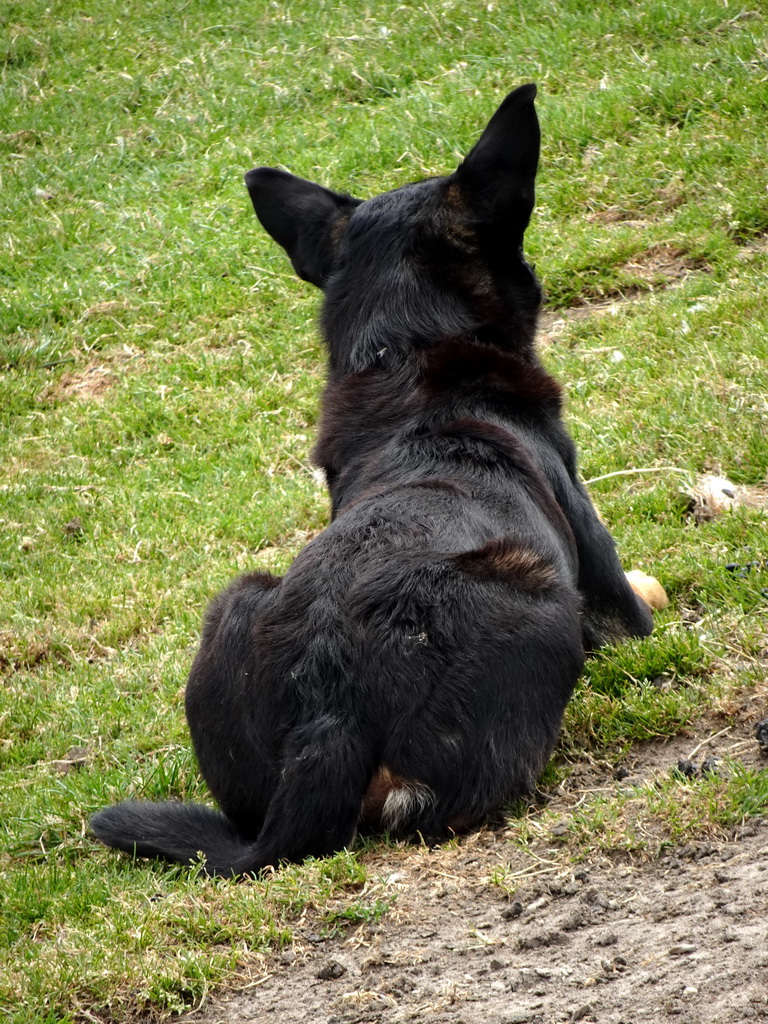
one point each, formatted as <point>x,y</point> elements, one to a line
<point>411,669</point>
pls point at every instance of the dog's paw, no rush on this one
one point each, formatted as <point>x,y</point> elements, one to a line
<point>648,589</point>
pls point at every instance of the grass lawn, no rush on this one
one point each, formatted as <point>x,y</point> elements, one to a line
<point>159,381</point>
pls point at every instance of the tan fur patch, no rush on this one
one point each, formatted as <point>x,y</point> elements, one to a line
<point>455,197</point>
<point>458,232</point>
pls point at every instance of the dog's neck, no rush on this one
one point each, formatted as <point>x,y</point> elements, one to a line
<point>389,343</point>
<point>400,396</point>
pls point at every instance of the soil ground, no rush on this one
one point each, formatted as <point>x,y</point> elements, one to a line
<point>682,938</point>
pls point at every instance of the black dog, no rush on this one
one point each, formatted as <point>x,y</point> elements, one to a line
<point>410,670</point>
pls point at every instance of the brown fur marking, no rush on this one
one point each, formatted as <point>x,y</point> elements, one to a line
<point>502,559</point>
<point>337,230</point>
<point>454,197</point>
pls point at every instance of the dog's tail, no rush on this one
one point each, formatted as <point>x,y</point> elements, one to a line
<point>313,812</point>
<point>172,831</point>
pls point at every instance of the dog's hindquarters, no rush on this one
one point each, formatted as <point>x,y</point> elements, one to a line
<point>238,762</point>
<point>417,693</point>
<point>315,807</point>
<point>441,702</point>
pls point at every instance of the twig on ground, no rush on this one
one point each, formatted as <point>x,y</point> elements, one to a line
<point>645,469</point>
<point>703,743</point>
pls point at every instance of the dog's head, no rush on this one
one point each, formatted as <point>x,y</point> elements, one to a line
<point>436,259</point>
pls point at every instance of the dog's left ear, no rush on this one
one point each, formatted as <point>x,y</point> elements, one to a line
<point>499,173</point>
<point>300,216</point>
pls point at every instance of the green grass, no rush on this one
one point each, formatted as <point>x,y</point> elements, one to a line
<point>160,373</point>
<point>643,821</point>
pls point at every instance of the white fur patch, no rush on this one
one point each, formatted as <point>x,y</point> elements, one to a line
<point>405,802</point>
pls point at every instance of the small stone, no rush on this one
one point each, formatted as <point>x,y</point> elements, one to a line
<point>288,957</point>
<point>573,920</point>
<point>542,901</point>
<point>514,910</point>
<point>74,528</point>
<point>330,971</point>
<point>686,768</point>
<point>606,939</point>
<point>682,949</point>
<point>621,773</point>
<point>710,766</point>
<point>582,1012</point>
<point>536,940</point>
<point>761,735</point>
<point>75,757</point>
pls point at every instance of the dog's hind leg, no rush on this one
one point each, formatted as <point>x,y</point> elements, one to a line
<point>232,713</point>
<point>316,806</point>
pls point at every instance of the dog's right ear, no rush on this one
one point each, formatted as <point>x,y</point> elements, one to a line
<point>499,173</point>
<point>301,216</point>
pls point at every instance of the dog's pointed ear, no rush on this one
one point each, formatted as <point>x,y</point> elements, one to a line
<point>301,216</point>
<point>499,173</point>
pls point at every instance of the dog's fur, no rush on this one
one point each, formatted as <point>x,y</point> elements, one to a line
<point>410,670</point>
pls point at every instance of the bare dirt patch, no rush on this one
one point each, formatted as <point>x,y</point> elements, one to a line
<point>661,265</point>
<point>658,267</point>
<point>91,383</point>
<point>86,385</point>
<point>755,247</point>
<point>682,937</point>
<point>554,323</point>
